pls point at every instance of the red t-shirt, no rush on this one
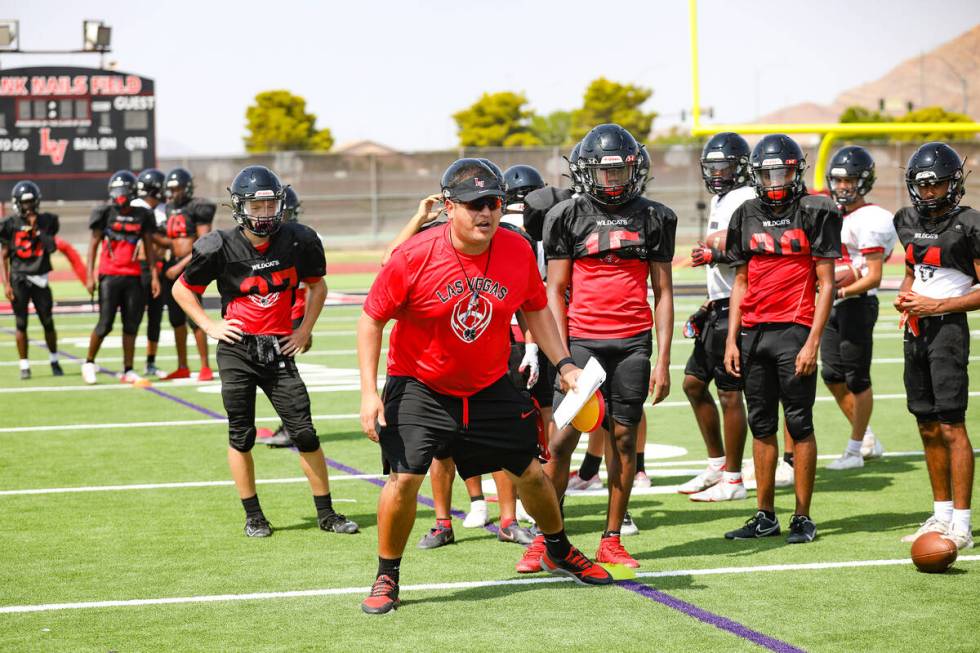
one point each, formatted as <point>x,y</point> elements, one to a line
<point>424,288</point>
<point>596,311</point>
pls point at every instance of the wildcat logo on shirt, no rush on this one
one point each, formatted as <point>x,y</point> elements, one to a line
<point>471,316</point>
<point>265,301</point>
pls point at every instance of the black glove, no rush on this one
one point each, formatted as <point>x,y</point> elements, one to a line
<point>695,324</point>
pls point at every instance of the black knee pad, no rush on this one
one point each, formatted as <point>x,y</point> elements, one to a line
<point>305,441</point>
<point>831,376</point>
<point>242,439</point>
<point>47,322</point>
<point>926,418</point>
<point>951,416</point>
<point>104,327</point>
<point>20,322</point>
<point>858,383</point>
<point>799,427</point>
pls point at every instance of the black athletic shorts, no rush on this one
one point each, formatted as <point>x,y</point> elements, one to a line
<point>154,305</point>
<point>847,343</point>
<point>768,354</point>
<point>175,313</point>
<point>120,292</point>
<point>543,391</point>
<point>627,365</point>
<point>241,374</point>
<point>26,292</point>
<point>936,379</point>
<point>707,361</point>
<point>496,428</point>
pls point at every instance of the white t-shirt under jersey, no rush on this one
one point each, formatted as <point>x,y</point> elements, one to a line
<point>721,276</point>
<point>867,230</point>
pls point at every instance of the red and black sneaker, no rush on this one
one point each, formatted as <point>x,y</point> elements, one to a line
<point>530,563</point>
<point>384,596</point>
<point>611,551</point>
<point>578,567</point>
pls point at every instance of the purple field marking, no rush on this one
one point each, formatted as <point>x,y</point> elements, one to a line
<point>710,618</point>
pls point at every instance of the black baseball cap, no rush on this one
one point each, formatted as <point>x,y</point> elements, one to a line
<point>469,179</point>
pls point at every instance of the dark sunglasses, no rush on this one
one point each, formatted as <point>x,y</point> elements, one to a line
<point>493,203</point>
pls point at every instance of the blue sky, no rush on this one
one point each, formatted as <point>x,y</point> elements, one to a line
<point>395,71</point>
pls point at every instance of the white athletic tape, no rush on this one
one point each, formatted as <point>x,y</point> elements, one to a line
<point>430,587</point>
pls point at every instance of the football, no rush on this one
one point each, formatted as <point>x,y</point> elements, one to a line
<point>845,274</point>
<point>716,240</point>
<point>933,553</point>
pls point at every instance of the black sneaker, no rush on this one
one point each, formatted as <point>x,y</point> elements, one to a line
<point>801,530</point>
<point>758,526</point>
<point>515,533</point>
<point>152,371</point>
<point>257,527</point>
<point>25,375</point>
<point>279,439</point>
<point>56,369</point>
<point>436,537</point>
<point>337,523</point>
<point>383,598</point>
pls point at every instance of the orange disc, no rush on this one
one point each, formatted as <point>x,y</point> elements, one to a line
<point>592,414</point>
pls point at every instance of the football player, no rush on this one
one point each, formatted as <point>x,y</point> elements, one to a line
<point>26,244</point>
<point>782,243</point>
<point>867,238</point>
<point>188,218</point>
<point>606,243</point>
<point>453,290</point>
<point>942,259</point>
<point>726,175</point>
<point>258,266</point>
<point>120,228</point>
<point>149,195</point>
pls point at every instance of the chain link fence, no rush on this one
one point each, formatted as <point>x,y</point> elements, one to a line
<point>361,201</point>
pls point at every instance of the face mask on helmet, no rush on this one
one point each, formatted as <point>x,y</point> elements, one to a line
<point>261,214</point>
<point>718,175</point>
<point>610,180</point>
<point>844,190</point>
<point>934,197</point>
<point>777,185</point>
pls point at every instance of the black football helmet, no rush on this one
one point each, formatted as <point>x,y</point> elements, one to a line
<point>257,200</point>
<point>933,164</point>
<point>291,206</point>
<point>778,164</point>
<point>573,170</point>
<point>26,197</point>
<point>520,180</point>
<point>150,182</point>
<point>609,162</point>
<point>644,168</point>
<point>725,163</point>
<point>851,162</point>
<point>122,189</point>
<point>180,186</point>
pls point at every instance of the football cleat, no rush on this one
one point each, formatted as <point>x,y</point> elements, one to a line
<point>25,374</point>
<point>785,476</point>
<point>801,530</point>
<point>701,482</point>
<point>279,439</point>
<point>963,539</point>
<point>179,373</point>
<point>205,374</point>
<point>757,526</point>
<point>641,480</point>
<point>56,369</point>
<point>846,461</point>
<point>89,373</point>
<point>628,527</point>
<point>723,491</point>
<point>257,527</point>
<point>436,537</point>
<point>531,561</point>
<point>477,517</point>
<point>337,523</point>
<point>516,533</point>
<point>931,525</point>
<point>577,567</point>
<point>383,598</point>
<point>611,551</point>
<point>153,370</point>
<point>579,484</point>
<point>129,377</point>
<point>871,446</point>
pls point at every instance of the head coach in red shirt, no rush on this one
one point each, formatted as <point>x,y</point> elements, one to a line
<point>452,290</point>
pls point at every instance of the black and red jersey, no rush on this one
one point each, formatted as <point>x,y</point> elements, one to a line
<point>941,252</point>
<point>611,249</point>
<point>257,286</point>
<point>779,250</point>
<point>30,247</point>
<point>122,233</point>
<point>537,203</point>
<point>183,220</point>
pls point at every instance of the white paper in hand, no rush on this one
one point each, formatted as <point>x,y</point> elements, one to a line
<point>589,381</point>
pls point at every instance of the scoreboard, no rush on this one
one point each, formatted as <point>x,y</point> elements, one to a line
<point>68,129</point>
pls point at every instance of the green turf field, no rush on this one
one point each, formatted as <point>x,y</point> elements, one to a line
<point>158,519</point>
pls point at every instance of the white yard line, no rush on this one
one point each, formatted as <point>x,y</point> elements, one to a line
<point>342,591</point>
<point>126,425</point>
<point>188,484</point>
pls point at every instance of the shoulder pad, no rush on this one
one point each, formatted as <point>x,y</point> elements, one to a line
<point>209,243</point>
<point>823,202</point>
<point>203,210</point>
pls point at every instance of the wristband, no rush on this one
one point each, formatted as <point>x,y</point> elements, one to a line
<point>568,360</point>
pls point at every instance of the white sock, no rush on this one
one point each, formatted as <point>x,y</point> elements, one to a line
<point>716,463</point>
<point>961,520</point>
<point>53,356</point>
<point>853,448</point>
<point>25,364</point>
<point>731,477</point>
<point>942,510</point>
